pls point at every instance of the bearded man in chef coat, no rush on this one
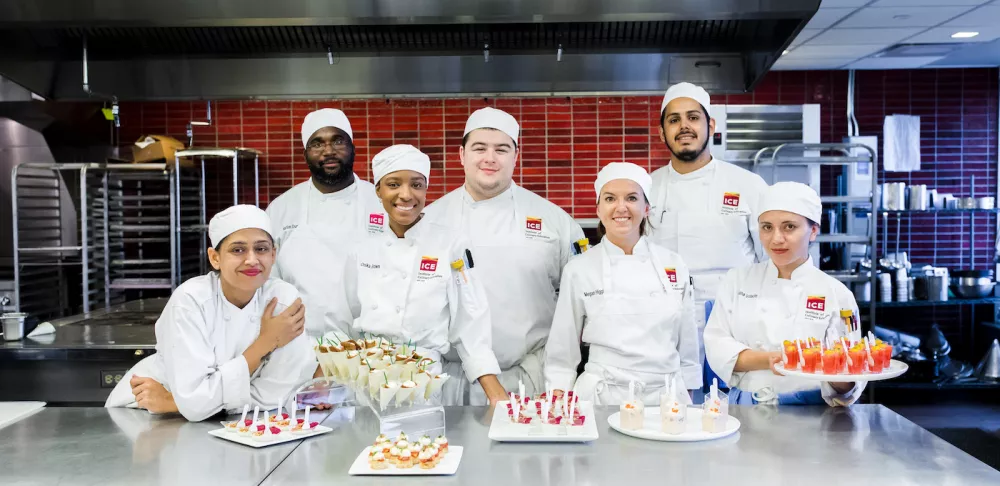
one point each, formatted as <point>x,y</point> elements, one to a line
<point>521,242</point>
<point>317,221</point>
<point>703,208</point>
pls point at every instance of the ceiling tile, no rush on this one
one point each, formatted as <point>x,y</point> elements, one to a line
<point>843,3</point>
<point>801,64</point>
<point>943,34</point>
<point>804,36</point>
<point>840,36</point>
<point>923,3</point>
<point>980,17</point>
<point>851,51</point>
<point>892,63</point>
<point>902,16</point>
<point>825,17</point>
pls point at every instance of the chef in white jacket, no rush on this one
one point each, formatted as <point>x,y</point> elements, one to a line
<point>317,221</point>
<point>760,306</point>
<point>702,208</point>
<point>629,299</point>
<point>414,285</point>
<point>230,338</point>
<point>521,242</point>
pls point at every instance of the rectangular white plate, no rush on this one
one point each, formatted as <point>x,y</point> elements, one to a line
<point>447,466</point>
<point>503,430</point>
<point>248,441</point>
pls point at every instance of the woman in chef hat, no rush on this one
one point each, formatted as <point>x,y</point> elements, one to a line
<point>227,339</point>
<point>786,298</point>
<point>415,285</point>
<point>629,299</point>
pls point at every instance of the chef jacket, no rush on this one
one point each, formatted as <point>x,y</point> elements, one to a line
<point>521,242</point>
<point>754,309</point>
<point>200,340</point>
<point>642,325</point>
<point>406,289</point>
<point>313,233</point>
<point>709,217</point>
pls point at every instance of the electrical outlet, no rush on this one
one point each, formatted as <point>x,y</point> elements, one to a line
<point>109,379</point>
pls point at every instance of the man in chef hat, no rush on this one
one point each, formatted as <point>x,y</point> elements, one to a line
<point>703,208</point>
<point>520,240</point>
<point>316,221</point>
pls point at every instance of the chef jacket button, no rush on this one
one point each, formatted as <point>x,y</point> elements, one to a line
<point>652,294</point>
<point>388,243</point>
<point>374,306</point>
<point>385,274</point>
<point>399,310</point>
<point>403,274</point>
<point>226,317</point>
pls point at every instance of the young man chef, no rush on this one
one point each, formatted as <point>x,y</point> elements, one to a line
<point>521,242</point>
<point>317,221</point>
<point>702,208</point>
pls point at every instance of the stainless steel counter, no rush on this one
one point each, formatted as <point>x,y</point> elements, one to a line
<point>867,444</point>
<point>78,363</point>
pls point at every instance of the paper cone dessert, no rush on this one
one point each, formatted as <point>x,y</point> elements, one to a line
<point>435,384</point>
<point>385,394</point>
<point>395,371</point>
<point>422,380</point>
<point>405,392</point>
<point>375,379</point>
<point>353,361</point>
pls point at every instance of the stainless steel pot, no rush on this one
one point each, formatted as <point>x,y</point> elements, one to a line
<point>985,202</point>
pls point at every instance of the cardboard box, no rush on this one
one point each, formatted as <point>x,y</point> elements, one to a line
<point>154,148</point>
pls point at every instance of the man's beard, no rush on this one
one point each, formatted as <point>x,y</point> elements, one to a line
<point>319,173</point>
<point>688,155</point>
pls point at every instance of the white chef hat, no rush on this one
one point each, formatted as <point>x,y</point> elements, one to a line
<point>401,157</point>
<point>493,118</point>
<point>326,117</point>
<point>794,197</point>
<point>686,90</point>
<point>236,218</point>
<point>624,170</point>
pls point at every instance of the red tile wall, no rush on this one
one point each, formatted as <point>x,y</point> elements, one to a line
<point>564,141</point>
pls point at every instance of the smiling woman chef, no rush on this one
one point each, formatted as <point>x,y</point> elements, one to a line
<point>630,299</point>
<point>408,286</point>
<point>226,339</point>
<point>760,306</point>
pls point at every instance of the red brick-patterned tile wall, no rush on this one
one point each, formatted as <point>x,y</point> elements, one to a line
<point>566,139</point>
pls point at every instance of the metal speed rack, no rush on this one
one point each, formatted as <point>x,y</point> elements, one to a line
<point>140,230</point>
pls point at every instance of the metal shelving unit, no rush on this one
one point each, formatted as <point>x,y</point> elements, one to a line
<point>838,155</point>
<point>139,228</point>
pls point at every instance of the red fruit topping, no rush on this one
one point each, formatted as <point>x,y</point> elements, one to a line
<point>312,425</point>
<point>261,428</point>
<point>248,422</point>
<point>275,430</point>
<point>284,416</point>
<point>300,421</point>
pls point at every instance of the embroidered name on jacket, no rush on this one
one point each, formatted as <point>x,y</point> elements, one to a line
<point>427,269</point>
<point>593,293</point>
<point>371,266</point>
<point>746,295</point>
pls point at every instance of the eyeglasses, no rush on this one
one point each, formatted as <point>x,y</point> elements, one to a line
<point>336,143</point>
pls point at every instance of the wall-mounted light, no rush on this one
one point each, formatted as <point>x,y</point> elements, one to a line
<point>964,35</point>
<point>559,54</point>
<point>486,52</point>
<point>329,55</point>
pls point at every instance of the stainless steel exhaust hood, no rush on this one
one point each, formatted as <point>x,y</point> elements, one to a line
<point>144,49</point>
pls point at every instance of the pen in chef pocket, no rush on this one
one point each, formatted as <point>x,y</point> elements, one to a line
<point>468,256</point>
